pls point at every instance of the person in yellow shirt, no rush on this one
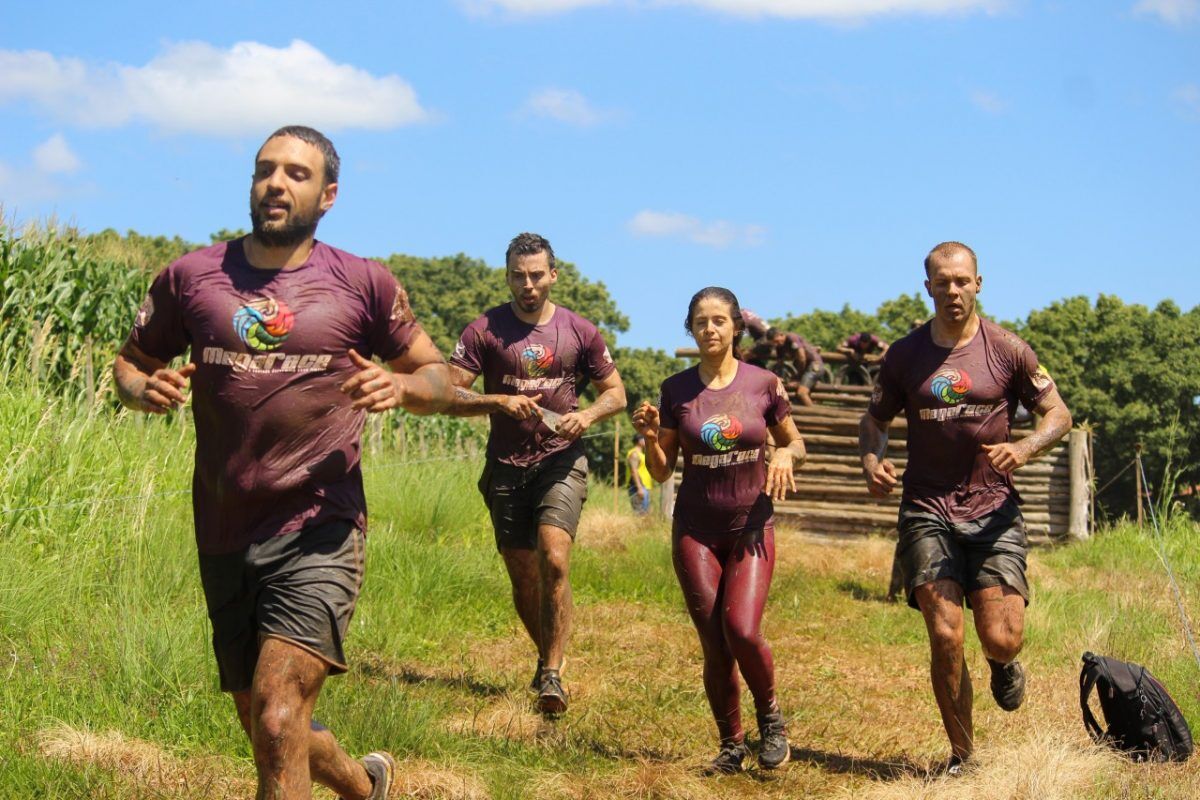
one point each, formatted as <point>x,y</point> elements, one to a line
<point>640,481</point>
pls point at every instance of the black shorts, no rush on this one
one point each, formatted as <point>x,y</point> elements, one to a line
<point>550,492</point>
<point>300,587</point>
<point>989,551</point>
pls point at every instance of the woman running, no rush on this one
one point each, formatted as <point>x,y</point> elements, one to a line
<point>723,540</point>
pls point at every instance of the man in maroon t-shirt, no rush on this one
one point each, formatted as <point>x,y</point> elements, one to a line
<point>282,329</point>
<point>804,358</point>
<point>958,380</point>
<point>535,357</point>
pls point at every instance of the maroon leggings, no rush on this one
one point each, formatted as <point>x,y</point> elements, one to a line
<point>725,578</point>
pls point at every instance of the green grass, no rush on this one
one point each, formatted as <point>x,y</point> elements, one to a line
<point>102,628</point>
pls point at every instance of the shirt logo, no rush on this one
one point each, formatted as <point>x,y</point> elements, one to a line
<point>145,312</point>
<point>950,385</point>
<point>720,432</point>
<point>537,359</point>
<point>1041,379</point>
<point>263,324</point>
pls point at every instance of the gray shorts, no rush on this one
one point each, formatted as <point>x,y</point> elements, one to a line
<point>550,492</point>
<point>989,551</point>
<point>300,587</point>
<point>809,378</point>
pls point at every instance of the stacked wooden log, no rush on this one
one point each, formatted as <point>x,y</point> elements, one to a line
<point>831,496</point>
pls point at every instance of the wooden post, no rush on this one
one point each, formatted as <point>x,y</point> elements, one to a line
<point>616,462</point>
<point>1137,461</point>
<point>375,423</point>
<point>89,371</point>
<point>1077,524</point>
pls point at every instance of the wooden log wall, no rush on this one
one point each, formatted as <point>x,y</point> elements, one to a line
<point>831,497</point>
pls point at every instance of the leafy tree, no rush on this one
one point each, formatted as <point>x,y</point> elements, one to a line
<point>1131,372</point>
<point>226,235</point>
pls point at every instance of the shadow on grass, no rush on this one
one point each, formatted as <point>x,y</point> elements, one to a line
<point>860,591</point>
<point>415,676</point>
<point>873,768</point>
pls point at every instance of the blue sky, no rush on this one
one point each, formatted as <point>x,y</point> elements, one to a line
<point>805,153</point>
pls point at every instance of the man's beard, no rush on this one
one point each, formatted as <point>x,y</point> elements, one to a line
<point>295,230</point>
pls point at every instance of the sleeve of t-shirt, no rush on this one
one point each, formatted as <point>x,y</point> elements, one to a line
<point>779,407</point>
<point>468,353</point>
<point>158,329</point>
<point>597,361</point>
<point>1033,381</point>
<point>666,408</point>
<point>393,325</point>
<point>887,398</point>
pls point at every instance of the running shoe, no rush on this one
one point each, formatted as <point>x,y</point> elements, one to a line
<point>955,767</point>
<point>1008,684</point>
<point>729,758</point>
<point>381,768</point>
<point>536,683</point>
<point>552,697</point>
<point>774,751</point>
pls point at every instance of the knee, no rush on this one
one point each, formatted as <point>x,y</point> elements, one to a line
<point>555,565</point>
<point>276,720</point>
<point>945,635</point>
<point>741,633</point>
<point>1001,644</point>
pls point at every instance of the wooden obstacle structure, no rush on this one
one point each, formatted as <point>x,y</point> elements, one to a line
<point>832,498</point>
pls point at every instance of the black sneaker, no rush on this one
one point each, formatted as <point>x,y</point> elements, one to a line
<point>729,758</point>
<point>774,751</point>
<point>552,697</point>
<point>381,768</point>
<point>954,768</point>
<point>1008,684</point>
<point>536,683</point>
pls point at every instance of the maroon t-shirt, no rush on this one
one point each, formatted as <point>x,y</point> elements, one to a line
<point>955,401</point>
<point>756,326</point>
<point>864,344</point>
<point>723,436</point>
<point>277,445</point>
<point>555,360</point>
<point>796,345</point>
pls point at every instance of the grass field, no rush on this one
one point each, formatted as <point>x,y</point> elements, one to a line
<point>108,684</point>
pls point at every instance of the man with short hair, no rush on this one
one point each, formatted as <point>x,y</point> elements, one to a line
<point>282,329</point>
<point>794,349</point>
<point>958,380</point>
<point>534,357</point>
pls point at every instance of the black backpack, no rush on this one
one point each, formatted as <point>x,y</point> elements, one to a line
<point>1142,718</point>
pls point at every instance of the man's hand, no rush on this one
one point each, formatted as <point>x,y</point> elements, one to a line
<point>1006,456</point>
<point>646,420</point>
<point>880,475</point>
<point>780,475</point>
<point>164,389</point>
<point>572,426</point>
<point>373,387</point>
<point>518,406</point>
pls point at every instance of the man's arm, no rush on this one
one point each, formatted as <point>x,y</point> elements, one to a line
<point>879,472</point>
<point>1054,425</point>
<point>611,401</point>
<point>467,403</point>
<point>418,380</point>
<point>146,384</point>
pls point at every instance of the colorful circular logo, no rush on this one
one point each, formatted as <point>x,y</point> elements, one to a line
<point>537,358</point>
<point>263,324</point>
<point>950,385</point>
<point>721,432</point>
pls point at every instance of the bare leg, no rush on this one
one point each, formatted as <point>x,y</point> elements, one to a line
<point>941,605</point>
<point>554,565</point>
<point>804,396</point>
<point>523,572</point>
<point>290,750</point>
<point>999,621</point>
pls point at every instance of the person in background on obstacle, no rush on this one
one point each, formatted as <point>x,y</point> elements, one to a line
<point>794,350</point>
<point>958,380</point>
<point>756,326</point>
<point>533,356</point>
<point>723,537</point>
<point>863,351</point>
<point>282,329</point>
<point>640,481</point>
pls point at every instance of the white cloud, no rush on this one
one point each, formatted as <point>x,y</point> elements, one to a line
<point>564,105</point>
<point>794,9</point>
<point>195,87</point>
<point>1172,12</point>
<point>1188,97</point>
<point>717,233</point>
<point>989,102</point>
<point>55,155</point>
